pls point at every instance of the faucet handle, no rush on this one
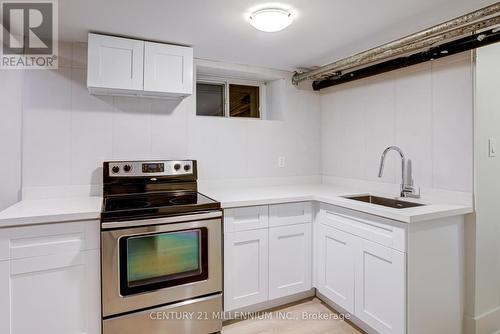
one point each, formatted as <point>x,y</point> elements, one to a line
<point>408,173</point>
<point>411,192</point>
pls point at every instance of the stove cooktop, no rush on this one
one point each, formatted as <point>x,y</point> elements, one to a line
<point>155,205</point>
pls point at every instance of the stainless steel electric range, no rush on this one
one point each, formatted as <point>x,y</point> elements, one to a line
<point>161,250</point>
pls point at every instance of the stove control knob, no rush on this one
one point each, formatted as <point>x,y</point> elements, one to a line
<point>115,169</point>
<point>187,167</point>
<point>177,166</point>
<point>127,168</point>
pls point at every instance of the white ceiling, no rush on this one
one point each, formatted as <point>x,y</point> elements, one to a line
<point>323,30</point>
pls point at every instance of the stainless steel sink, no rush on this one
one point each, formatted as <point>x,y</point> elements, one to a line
<point>388,202</point>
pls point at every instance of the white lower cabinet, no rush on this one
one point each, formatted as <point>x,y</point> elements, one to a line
<point>359,265</point>
<point>290,267</point>
<point>266,257</point>
<point>245,268</point>
<point>365,277</point>
<point>393,277</point>
<point>336,262</point>
<point>380,287</point>
<point>50,282</point>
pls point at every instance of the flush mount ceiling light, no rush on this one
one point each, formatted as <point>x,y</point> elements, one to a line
<point>271,19</point>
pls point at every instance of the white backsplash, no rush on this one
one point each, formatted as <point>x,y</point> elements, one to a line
<point>425,109</point>
<point>11,83</point>
<point>68,133</point>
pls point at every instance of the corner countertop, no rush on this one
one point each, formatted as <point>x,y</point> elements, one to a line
<point>53,210</point>
<point>331,194</point>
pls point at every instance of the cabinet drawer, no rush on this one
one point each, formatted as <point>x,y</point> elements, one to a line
<point>67,238</point>
<point>246,218</point>
<point>290,213</point>
<point>380,230</point>
<point>46,245</point>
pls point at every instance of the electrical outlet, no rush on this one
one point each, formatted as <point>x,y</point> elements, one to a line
<point>281,162</point>
<point>492,144</point>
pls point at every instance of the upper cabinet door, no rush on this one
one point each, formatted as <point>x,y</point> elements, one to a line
<point>115,63</point>
<point>168,68</point>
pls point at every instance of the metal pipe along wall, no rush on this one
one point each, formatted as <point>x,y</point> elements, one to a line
<point>453,29</point>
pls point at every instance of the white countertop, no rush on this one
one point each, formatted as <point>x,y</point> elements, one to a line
<point>330,194</point>
<point>39,211</point>
<point>53,210</point>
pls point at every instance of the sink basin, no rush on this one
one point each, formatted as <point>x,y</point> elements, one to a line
<point>388,202</point>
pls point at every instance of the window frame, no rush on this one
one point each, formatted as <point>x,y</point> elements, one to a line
<point>226,81</point>
<point>224,96</point>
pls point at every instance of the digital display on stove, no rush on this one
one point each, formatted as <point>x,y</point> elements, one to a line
<point>153,168</point>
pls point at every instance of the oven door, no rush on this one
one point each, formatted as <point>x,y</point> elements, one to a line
<point>158,261</point>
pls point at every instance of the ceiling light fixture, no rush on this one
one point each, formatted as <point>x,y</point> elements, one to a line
<point>271,19</point>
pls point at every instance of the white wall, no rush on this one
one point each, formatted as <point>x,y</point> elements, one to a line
<point>10,137</point>
<point>485,230</point>
<point>68,133</point>
<point>425,109</point>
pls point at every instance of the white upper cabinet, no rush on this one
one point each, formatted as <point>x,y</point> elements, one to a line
<point>168,68</point>
<point>129,67</point>
<point>115,63</point>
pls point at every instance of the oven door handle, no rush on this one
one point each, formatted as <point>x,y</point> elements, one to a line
<point>161,221</point>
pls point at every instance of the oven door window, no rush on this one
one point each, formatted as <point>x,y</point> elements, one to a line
<point>161,260</point>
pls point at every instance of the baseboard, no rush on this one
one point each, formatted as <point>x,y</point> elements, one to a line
<point>352,319</point>
<point>268,305</point>
<point>487,323</point>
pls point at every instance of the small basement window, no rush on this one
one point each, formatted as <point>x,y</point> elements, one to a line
<point>244,101</point>
<point>210,99</point>
<point>228,98</point>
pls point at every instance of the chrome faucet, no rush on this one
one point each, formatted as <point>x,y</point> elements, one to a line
<point>407,187</point>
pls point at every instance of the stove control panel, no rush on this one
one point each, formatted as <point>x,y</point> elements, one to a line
<point>150,168</point>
